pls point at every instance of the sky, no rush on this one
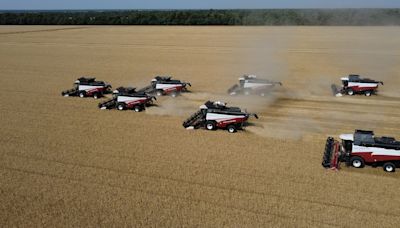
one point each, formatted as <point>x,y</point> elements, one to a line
<point>192,4</point>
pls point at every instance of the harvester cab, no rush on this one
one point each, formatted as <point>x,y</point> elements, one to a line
<point>165,85</point>
<point>213,115</point>
<point>250,84</point>
<point>360,149</point>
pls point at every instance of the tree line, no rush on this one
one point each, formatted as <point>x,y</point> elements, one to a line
<point>205,17</point>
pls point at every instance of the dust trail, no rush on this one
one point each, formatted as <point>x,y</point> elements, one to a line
<point>380,65</point>
<point>251,103</point>
<point>268,59</point>
<point>262,56</point>
<point>289,127</point>
<point>266,55</point>
<point>178,106</point>
<point>188,103</point>
<point>391,82</point>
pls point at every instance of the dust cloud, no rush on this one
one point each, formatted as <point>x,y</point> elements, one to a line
<point>301,106</point>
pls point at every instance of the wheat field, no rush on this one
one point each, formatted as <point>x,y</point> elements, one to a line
<point>64,162</point>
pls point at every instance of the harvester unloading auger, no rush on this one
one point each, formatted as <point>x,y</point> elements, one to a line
<point>360,149</point>
<point>250,84</point>
<point>164,85</point>
<point>354,84</point>
<point>213,115</point>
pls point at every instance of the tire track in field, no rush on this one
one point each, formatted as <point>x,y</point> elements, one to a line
<point>257,212</point>
<point>212,186</point>
<point>303,117</point>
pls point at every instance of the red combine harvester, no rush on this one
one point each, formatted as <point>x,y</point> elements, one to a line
<point>88,87</point>
<point>360,149</point>
<point>354,84</point>
<point>127,98</point>
<point>213,115</point>
<point>250,84</point>
<point>161,85</point>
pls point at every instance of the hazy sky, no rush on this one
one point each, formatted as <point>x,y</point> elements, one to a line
<point>194,4</point>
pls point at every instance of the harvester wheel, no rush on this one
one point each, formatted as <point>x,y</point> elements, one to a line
<point>368,93</point>
<point>210,125</point>
<point>96,96</point>
<point>231,128</point>
<point>137,108</point>
<point>174,94</point>
<point>82,94</point>
<point>121,106</point>
<point>350,92</point>
<point>357,162</point>
<point>389,167</point>
<point>159,93</point>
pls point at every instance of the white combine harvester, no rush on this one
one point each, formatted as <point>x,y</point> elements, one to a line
<point>88,87</point>
<point>164,85</point>
<point>360,149</point>
<point>250,84</point>
<point>213,115</point>
<point>354,84</point>
<point>127,98</point>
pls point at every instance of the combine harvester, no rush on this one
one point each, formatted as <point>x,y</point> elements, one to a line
<point>128,98</point>
<point>354,84</point>
<point>161,85</point>
<point>88,87</point>
<point>213,115</point>
<point>360,149</point>
<point>250,84</point>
